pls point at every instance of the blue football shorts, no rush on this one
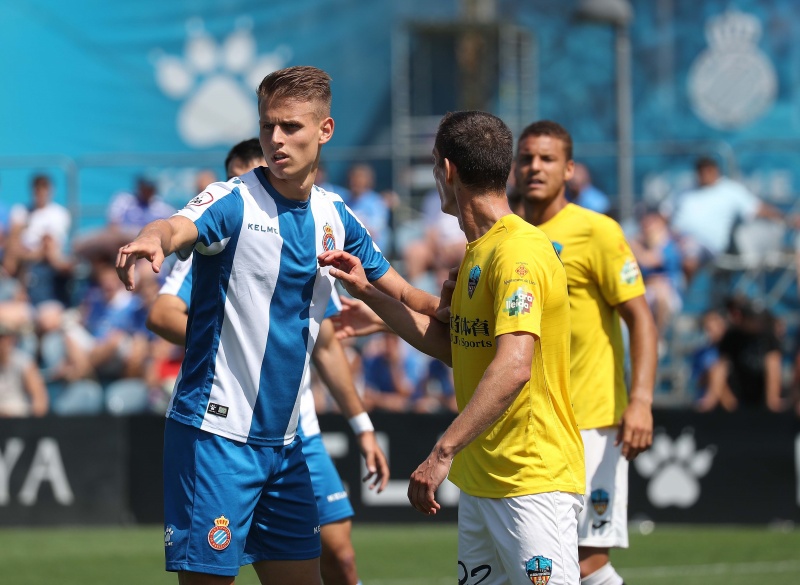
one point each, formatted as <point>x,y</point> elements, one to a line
<point>229,504</point>
<point>332,501</point>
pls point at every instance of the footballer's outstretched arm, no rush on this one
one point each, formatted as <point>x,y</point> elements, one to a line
<point>423,331</point>
<point>156,241</point>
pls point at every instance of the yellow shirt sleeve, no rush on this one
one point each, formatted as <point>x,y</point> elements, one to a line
<point>614,265</point>
<point>516,280</point>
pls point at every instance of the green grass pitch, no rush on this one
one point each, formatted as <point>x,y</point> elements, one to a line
<point>416,554</point>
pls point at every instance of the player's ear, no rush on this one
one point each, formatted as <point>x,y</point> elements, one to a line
<point>450,171</point>
<point>325,130</point>
<point>569,170</point>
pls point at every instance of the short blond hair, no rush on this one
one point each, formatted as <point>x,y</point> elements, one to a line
<point>302,83</point>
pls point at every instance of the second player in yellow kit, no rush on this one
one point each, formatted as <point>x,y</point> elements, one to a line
<point>604,285</point>
<point>511,280</point>
<point>601,267</point>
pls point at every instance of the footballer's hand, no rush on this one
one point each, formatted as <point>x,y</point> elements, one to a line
<point>147,247</point>
<point>348,270</point>
<point>425,481</point>
<point>356,319</point>
<point>377,467</point>
<point>446,296</point>
<point>636,429</point>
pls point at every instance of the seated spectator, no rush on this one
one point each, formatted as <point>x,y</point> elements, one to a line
<point>387,384</point>
<point>113,335</point>
<point>704,218</point>
<point>368,205</point>
<point>65,367</point>
<point>37,243</point>
<point>585,194</point>
<point>22,390</point>
<point>660,262</point>
<point>707,355</point>
<point>130,212</point>
<point>748,372</point>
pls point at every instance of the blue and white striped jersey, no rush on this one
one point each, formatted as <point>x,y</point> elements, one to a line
<point>179,283</point>
<point>257,299</point>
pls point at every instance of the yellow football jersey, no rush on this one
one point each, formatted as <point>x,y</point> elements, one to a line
<point>511,280</point>
<point>602,273</point>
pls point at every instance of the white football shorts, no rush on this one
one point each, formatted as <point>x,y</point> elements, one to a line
<point>603,523</point>
<point>520,540</point>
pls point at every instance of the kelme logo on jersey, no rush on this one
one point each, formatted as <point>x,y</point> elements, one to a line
<point>474,276</point>
<point>600,499</point>
<point>539,570</point>
<point>219,537</point>
<point>328,241</point>
<point>519,303</point>
<point>202,199</point>
<point>630,271</point>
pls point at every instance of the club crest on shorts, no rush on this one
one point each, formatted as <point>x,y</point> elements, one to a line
<point>539,570</point>
<point>600,500</point>
<point>328,241</point>
<point>472,283</point>
<point>219,537</point>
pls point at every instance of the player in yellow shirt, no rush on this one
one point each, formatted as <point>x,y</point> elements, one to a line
<point>515,449</point>
<point>604,284</point>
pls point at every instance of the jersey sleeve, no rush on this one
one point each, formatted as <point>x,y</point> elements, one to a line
<point>217,213</point>
<point>358,242</point>
<point>613,264</point>
<point>179,281</point>
<point>519,282</point>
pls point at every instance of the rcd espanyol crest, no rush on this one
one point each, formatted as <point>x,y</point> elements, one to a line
<point>328,241</point>
<point>733,82</point>
<point>474,275</point>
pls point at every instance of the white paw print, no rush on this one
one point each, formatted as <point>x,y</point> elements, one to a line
<point>674,469</point>
<point>217,83</point>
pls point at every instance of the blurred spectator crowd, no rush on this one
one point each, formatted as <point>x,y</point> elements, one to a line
<point>73,341</point>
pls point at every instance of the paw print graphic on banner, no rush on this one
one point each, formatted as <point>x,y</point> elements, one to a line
<point>216,83</point>
<point>674,469</point>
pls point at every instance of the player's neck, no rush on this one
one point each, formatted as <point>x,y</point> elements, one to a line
<point>293,188</point>
<point>478,213</point>
<point>539,212</point>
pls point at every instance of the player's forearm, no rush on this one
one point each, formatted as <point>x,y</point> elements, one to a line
<point>772,379</point>
<point>168,325</point>
<point>420,330</point>
<point>644,344</point>
<point>497,390</point>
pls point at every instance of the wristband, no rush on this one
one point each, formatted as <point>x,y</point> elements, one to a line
<point>360,423</point>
